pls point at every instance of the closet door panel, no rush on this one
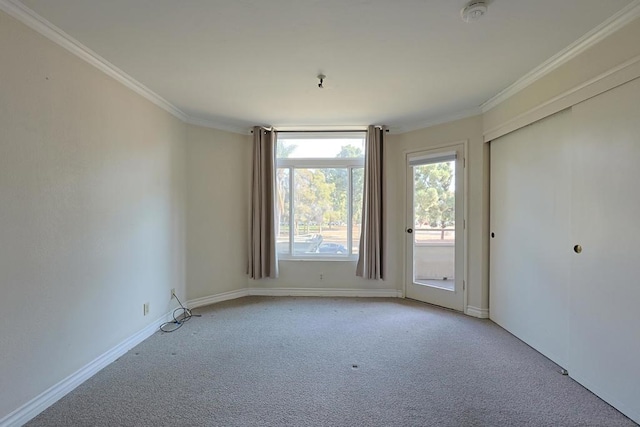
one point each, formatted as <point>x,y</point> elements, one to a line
<point>604,316</point>
<point>530,222</point>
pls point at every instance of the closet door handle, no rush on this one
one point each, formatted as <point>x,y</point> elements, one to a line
<point>577,249</point>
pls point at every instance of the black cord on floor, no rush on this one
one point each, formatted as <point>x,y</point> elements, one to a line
<point>180,319</point>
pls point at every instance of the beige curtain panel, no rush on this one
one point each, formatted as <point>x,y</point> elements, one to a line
<point>263,260</point>
<point>371,254</point>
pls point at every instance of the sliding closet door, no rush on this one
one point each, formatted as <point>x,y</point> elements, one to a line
<point>605,290</point>
<point>530,211</point>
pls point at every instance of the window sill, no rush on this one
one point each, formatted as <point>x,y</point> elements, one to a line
<point>320,258</point>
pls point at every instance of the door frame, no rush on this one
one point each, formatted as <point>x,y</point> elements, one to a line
<point>465,204</point>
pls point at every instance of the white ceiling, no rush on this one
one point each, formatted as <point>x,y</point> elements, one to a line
<point>404,63</point>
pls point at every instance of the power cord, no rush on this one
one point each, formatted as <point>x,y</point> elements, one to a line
<point>180,319</point>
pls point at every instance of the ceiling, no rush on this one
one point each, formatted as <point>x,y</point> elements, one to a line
<point>233,64</point>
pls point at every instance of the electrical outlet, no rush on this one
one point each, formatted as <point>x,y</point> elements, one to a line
<point>145,308</point>
<point>173,293</point>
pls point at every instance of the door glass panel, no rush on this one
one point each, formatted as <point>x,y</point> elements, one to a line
<point>434,225</point>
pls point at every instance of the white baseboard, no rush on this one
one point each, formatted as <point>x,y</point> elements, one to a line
<point>212,299</point>
<point>325,292</point>
<point>47,398</point>
<point>50,396</point>
<point>481,313</point>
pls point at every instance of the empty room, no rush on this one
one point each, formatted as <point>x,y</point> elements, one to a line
<point>319,213</point>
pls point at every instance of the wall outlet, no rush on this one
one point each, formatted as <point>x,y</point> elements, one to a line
<point>173,293</point>
<point>145,308</point>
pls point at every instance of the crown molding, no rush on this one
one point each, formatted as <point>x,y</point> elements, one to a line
<point>22,13</point>
<point>213,124</point>
<point>602,31</point>
<point>619,75</point>
<point>458,115</point>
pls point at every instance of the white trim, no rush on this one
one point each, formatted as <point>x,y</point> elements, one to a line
<point>212,124</point>
<point>27,16</point>
<point>325,292</point>
<point>481,313</point>
<point>50,396</point>
<point>212,299</point>
<point>602,31</point>
<point>447,118</point>
<point>608,80</point>
<point>34,21</point>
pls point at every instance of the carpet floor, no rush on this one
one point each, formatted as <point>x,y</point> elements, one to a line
<point>288,361</point>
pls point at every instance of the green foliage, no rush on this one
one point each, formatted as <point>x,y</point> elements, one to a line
<point>312,195</point>
<point>340,177</point>
<point>320,194</point>
<point>434,198</point>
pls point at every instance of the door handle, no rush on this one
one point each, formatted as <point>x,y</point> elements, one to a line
<point>409,230</point>
<point>577,249</point>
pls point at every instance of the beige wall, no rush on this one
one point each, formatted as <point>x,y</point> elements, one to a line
<point>469,130</point>
<point>217,214</point>
<point>92,222</point>
<point>619,47</point>
<point>218,175</point>
<point>341,275</point>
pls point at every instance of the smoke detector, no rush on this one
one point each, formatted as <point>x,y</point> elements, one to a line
<point>473,11</point>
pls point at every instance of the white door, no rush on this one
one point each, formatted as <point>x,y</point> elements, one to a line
<point>434,226</point>
<point>604,317</point>
<point>565,209</point>
<point>529,226</point>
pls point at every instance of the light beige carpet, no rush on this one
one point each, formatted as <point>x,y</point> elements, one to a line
<point>261,361</point>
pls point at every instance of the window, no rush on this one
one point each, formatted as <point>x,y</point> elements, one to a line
<point>320,180</point>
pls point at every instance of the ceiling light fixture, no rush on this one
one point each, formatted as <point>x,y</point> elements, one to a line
<point>473,11</point>
<point>321,77</point>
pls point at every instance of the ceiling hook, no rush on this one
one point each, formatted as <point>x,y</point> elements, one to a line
<point>321,77</point>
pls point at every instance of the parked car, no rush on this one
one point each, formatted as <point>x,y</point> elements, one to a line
<point>332,248</point>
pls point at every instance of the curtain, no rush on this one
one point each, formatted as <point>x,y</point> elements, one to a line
<point>263,260</point>
<point>371,253</point>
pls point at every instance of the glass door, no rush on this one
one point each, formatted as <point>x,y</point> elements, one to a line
<point>435,227</point>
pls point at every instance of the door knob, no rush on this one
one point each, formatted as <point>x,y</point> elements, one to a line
<point>577,249</point>
<point>409,230</point>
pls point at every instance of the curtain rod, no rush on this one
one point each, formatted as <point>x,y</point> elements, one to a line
<point>322,131</point>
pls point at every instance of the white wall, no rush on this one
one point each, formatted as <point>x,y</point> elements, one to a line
<point>92,222</point>
<point>218,173</point>
<point>470,130</point>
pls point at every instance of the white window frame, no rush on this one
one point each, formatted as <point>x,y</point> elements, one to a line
<point>320,163</point>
